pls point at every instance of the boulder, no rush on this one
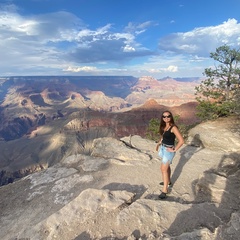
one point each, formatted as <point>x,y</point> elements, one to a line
<point>221,134</point>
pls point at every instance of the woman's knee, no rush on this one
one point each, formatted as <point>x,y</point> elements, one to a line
<point>165,167</point>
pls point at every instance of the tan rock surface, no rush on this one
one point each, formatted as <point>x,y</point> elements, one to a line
<point>222,134</point>
<point>113,194</point>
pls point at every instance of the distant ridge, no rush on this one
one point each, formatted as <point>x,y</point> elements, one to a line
<point>182,79</point>
<point>31,77</point>
<point>80,77</point>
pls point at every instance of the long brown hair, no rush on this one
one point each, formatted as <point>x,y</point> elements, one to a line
<point>163,124</point>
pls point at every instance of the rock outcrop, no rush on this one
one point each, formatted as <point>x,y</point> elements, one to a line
<point>222,134</point>
<point>113,193</point>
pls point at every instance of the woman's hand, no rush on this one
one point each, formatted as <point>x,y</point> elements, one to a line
<point>171,149</point>
<point>157,147</point>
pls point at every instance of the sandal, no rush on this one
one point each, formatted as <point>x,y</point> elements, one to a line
<point>169,185</point>
<point>162,195</point>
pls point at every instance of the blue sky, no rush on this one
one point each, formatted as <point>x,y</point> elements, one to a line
<point>155,38</point>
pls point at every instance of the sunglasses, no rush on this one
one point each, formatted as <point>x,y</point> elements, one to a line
<point>168,116</point>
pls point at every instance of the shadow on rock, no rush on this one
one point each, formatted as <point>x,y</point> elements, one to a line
<point>217,199</point>
<point>83,236</point>
<point>186,153</point>
<point>136,234</point>
<point>137,189</point>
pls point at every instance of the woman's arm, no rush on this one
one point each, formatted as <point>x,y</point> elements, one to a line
<point>158,144</point>
<point>179,138</point>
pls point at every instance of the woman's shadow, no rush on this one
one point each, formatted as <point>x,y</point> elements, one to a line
<point>186,153</point>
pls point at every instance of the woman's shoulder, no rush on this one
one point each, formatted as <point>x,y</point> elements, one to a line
<point>173,127</point>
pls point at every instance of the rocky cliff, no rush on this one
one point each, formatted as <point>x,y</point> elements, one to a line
<point>42,118</point>
<point>63,136</point>
<point>112,193</point>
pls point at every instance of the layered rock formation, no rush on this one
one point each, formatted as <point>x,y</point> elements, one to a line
<point>42,118</point>
<point>29,102</point>
<point>113,192</point>
<point>167,91</point>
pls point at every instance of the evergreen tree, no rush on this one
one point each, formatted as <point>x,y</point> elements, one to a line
<point>218,94</point>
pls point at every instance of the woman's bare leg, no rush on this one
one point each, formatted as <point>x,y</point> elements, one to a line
<point>165,169</point>
<point>169,174</point>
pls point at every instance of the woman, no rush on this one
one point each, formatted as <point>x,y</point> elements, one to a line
<point>169,132</point>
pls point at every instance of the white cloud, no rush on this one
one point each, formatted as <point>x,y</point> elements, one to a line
<point>49,40</point>
<point>128,48</point>
<point>60,42</point>
<point>153,70</point>
<point>172,69</point>
<point>202,41</point>
<point>169,69</point>
<point>80,69</point>
<point>138,28</point>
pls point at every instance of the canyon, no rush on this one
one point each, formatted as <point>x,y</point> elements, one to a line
<point>45,119</point>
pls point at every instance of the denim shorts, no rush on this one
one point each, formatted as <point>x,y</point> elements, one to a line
<point>165,155</point>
